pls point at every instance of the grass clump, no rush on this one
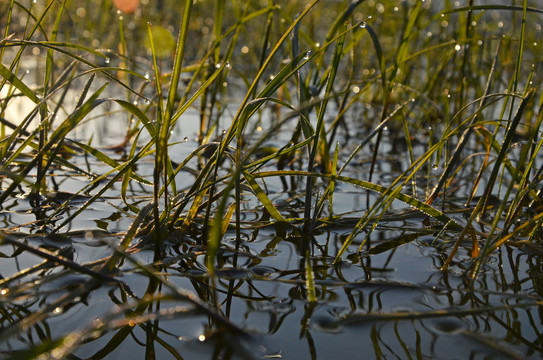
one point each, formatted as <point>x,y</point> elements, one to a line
<point>427,109</point>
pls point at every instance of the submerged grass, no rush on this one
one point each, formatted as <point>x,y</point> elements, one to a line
<point>456,88</point>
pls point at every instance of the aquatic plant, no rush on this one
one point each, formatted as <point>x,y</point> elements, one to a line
<point>427,114</point>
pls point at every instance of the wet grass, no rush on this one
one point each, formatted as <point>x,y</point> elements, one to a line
<point>430,111</point>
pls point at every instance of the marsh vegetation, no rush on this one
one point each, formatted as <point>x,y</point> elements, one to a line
<point>271,179</point>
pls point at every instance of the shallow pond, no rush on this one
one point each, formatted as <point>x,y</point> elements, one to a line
<point>390,300</point>
<point>102,283</point>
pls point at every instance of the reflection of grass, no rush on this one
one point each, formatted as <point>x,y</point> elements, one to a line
<point>463,100</point>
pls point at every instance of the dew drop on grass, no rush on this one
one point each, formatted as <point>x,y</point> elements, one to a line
<point>217,66</point>
<point>147,102</point>
<point>457,47</point>
<point>58,310</point>
<point>435,167</point>
<point>307,54</point>
<point>108,60</point>
<point>147,76</point>
<point>362,25</point>
<point>135,102</point>
<point>186,139</point>
<point>4,291</point>
<point>227,65</point>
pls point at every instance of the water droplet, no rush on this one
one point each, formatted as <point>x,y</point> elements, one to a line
<point>272,77</point>
<point>385,128</point>
<point>58,310</point>
<point>457,47</point>
<point>4,291</point>
<point>121,18</point>
<point>202,337</point>
<point>186,139</point>
<point>135,102</point>
<point>307,54</point>
<point>107,60</point>
<point>224,132</point>
<point>217,66</point>
<point>535,43</point>
<point>147,101</point>
<point>317,45</point>
<point>362,25</point>
<point>147,76</point>
<point>396,8</point>
<point>227,65</point>
<point>435,167</point>
<point>27,71</point>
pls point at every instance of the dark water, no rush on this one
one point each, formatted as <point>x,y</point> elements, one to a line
<point>388,301</point>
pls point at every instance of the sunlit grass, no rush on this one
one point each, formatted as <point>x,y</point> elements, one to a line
<point>332,84</point>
